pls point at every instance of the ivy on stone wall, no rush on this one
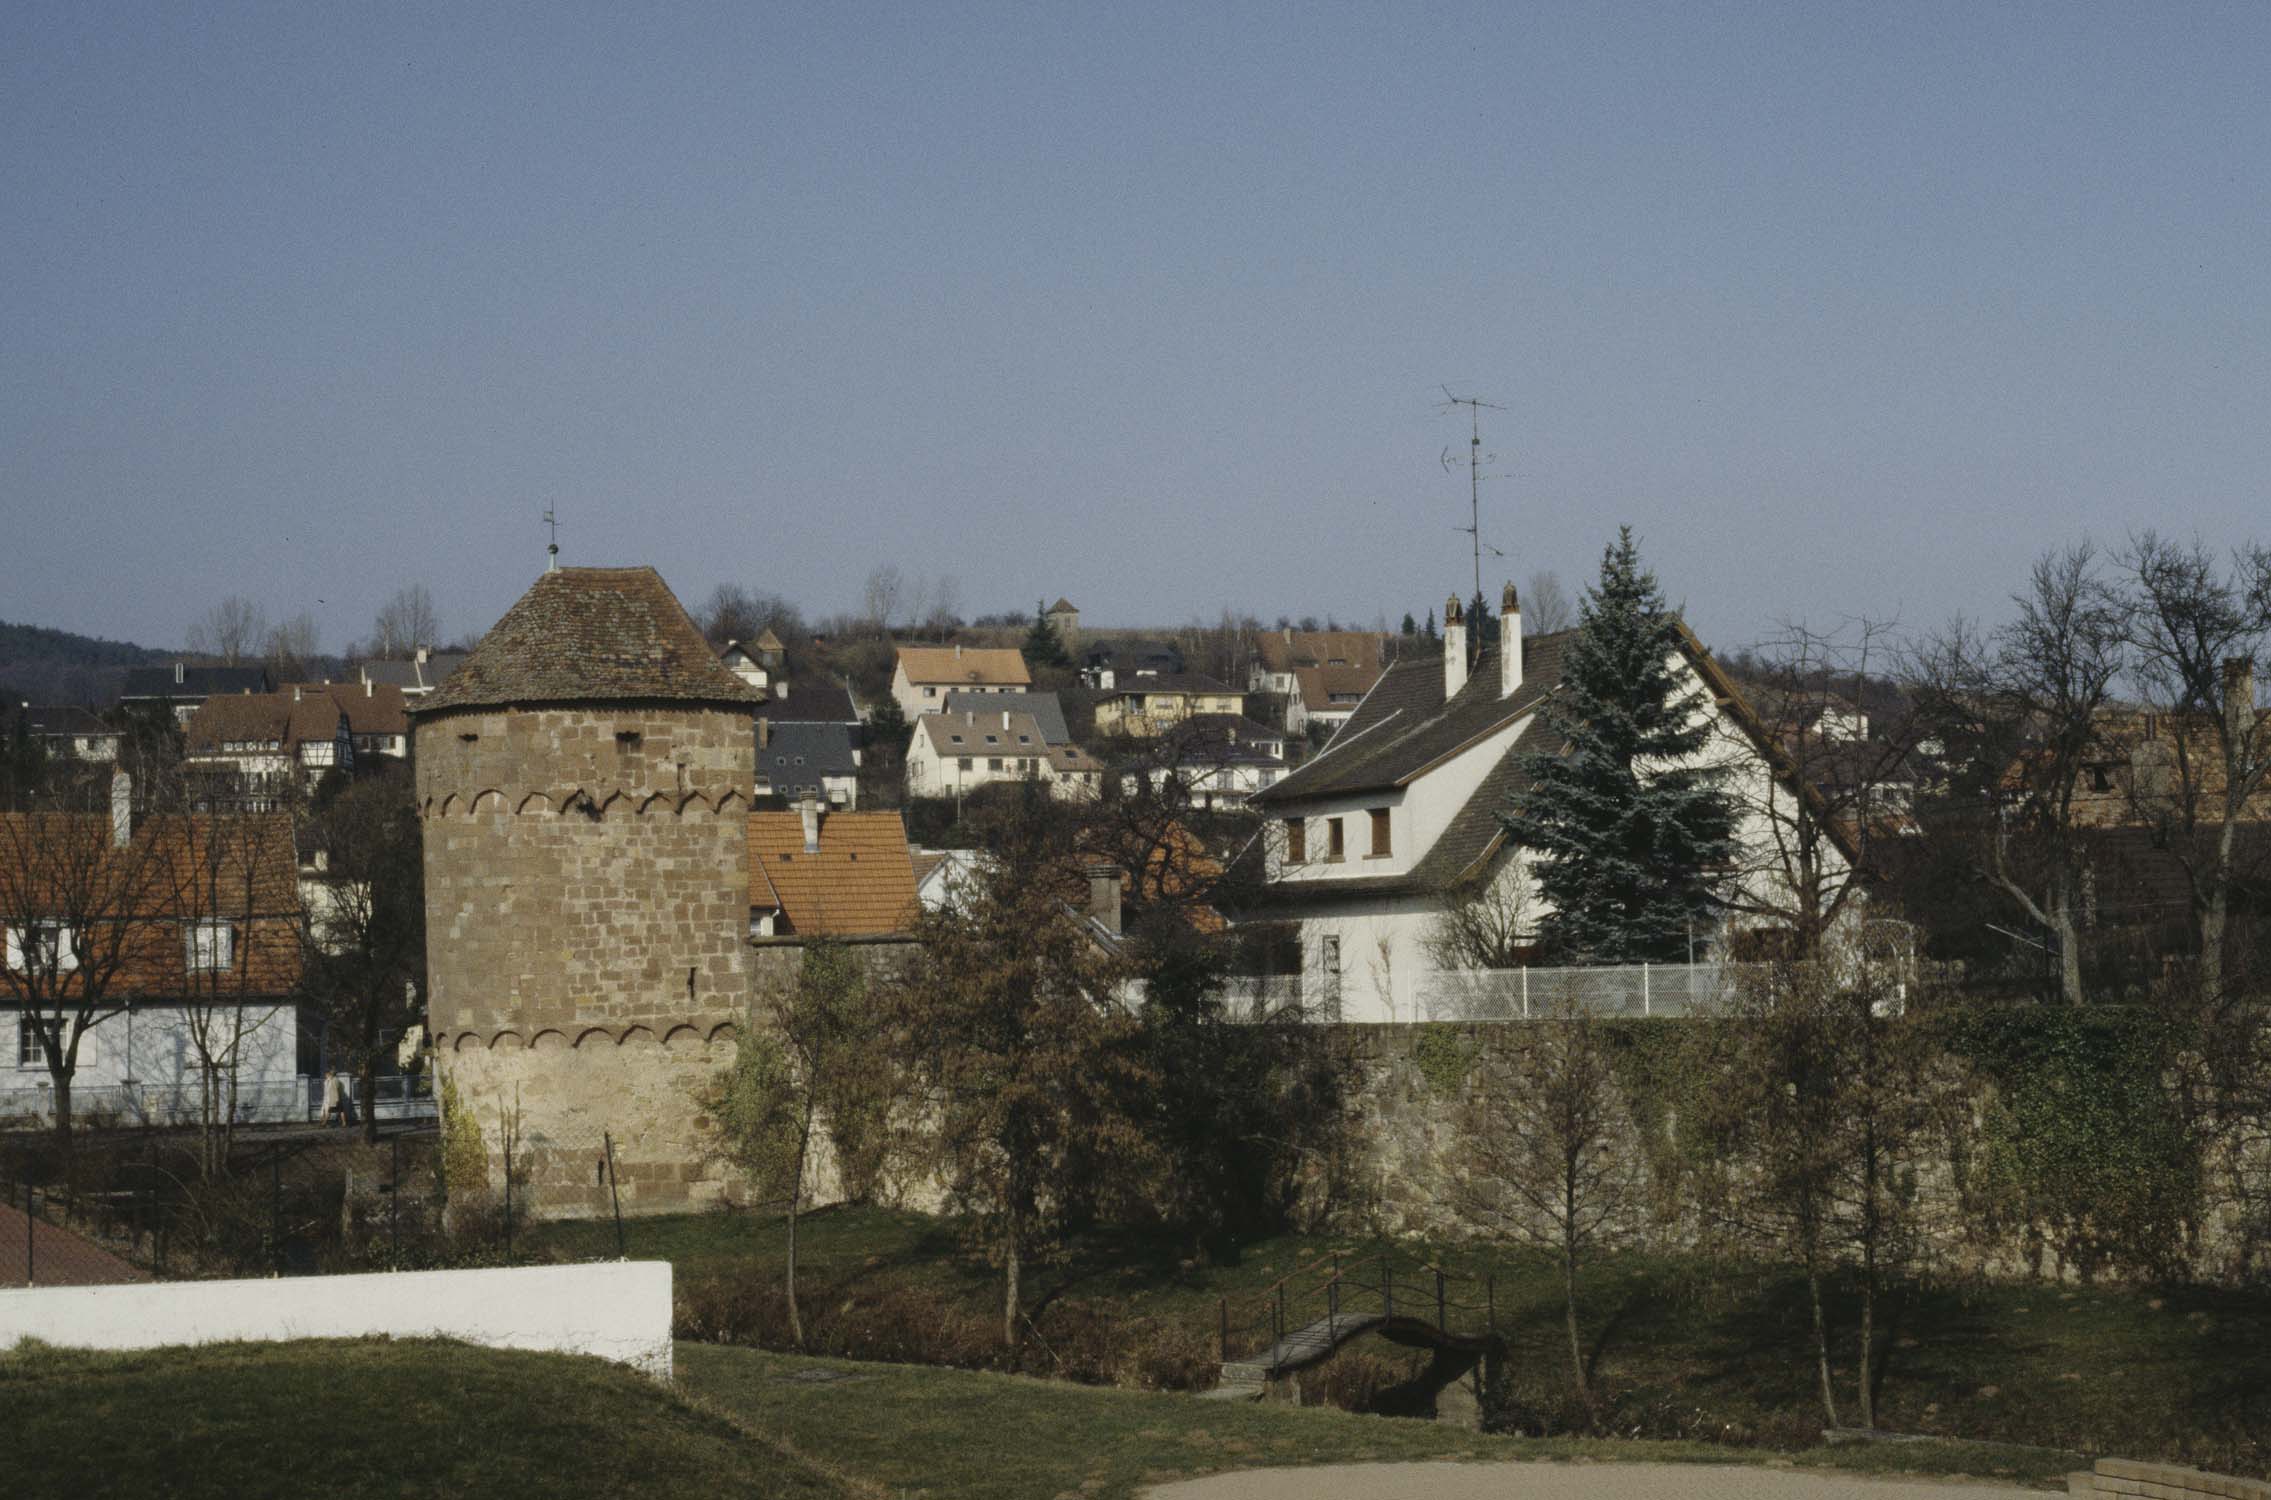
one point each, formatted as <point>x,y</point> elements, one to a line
<point>1445,1055</point>
<point>2083,1148</point>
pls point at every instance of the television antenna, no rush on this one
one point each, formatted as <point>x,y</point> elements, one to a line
<point>1473,528</point>
<point>552,549</point>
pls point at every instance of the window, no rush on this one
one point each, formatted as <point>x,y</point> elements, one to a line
<point>1335,848</point>
<point>993,763</point>
<point>28,1052</point>
<point>212,945</point>
<point>41,948</point>
<point>1296,842</point>
<point>1380,848</point>
<point>963,762</point>
<point>930,692</point>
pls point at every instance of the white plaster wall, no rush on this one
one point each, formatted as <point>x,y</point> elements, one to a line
<point>618,1311</point>
<point>1383,959</point>
<point>151,1045</point>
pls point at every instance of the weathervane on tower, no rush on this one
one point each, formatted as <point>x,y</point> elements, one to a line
<point>552,549</point>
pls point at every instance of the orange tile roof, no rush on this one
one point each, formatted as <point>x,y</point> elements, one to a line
<point>239,868</point>
<point>998,666</point>
<point>861,882</point>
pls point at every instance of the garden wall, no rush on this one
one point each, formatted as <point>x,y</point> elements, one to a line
<point>619,1311</point>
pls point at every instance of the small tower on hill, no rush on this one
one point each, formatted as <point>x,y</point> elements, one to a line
<point>1064,619</point>
<point>583,780</point>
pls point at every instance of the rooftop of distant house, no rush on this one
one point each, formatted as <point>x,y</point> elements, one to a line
<point>832,874</point>
<point>985,665</point>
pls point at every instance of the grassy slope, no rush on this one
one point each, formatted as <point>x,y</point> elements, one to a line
<point>950,1433</point>
<point>357,1419</point>
<point>1689,1349</point>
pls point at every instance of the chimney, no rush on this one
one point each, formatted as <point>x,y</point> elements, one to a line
<point>121,809</point>
<point>177,674</point>
<point>2239,697</point>
<point>366,686</point>
<point>1509,643</point>
<point>1005,718</point>
<point>957,650</point>
<point>809,810</point>
<point>295,692</point>
<point>1454,648</point>
<point>423,654</point>
<point>1104,896</point>
<point>764,734</point>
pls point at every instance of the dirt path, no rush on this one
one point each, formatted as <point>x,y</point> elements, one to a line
<point>1549,1481</point>
<point>55,1257</point>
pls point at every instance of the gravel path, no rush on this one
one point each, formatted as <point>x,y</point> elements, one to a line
<point>1570,1481</point>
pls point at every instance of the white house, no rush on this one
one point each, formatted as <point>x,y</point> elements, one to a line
<point>952,755</point>
<point>191,925</point>
<point>1367,844</point>
<point>924,675</point>
<point>1209,761</point>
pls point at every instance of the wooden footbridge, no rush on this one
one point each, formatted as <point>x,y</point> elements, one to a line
<point>1308,1315</point>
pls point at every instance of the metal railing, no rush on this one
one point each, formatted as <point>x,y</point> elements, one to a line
<point>1335,1296</point>
<point>281,1101</point>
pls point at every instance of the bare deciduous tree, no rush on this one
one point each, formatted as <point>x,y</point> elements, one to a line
<point>365,939</point>
<point>231,880</point>
<point>880,595</point>
<point>2200,630</point>
<point>77,890</point>
<point>1545,604</point>
<point>1555,1162</point>
<point>234,630</point>
<point>2017,711</point>
<point>291,644</point>
<point>404,623</point>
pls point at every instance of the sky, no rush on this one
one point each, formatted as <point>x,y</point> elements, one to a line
<point>1849,310</point>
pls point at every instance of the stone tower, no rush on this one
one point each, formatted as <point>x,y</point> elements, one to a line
<point>583,781</point>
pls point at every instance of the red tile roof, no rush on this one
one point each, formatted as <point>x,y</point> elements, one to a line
<point>859,883</point>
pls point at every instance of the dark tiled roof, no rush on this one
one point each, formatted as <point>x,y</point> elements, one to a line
<point>1064,606</point>
<point>800,754</point>
<point>65,719</point>
<point>1044,707</point>
<point>196,682</point>
<point>263,717</point>
<point>1404,726</point>
<point>582,635</point>
<point>1169,682</point>
<point>1128,655</point>
<point>805,701</point>
<point>1321,686</point>
<point>412,675</point>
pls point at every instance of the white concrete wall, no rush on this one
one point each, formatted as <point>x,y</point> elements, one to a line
<point>618,1310</point>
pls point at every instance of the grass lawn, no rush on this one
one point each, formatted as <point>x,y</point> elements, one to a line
<point>368,1418</point>
<point>951,1433</point>
<point>1687,1348</point>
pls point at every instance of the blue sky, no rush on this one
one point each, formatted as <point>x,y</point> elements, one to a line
<point>1847,309</point>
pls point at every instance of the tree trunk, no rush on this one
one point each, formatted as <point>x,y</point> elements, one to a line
<point>61,1094</point>
<point>1009,1295</point>
<point>1821,1336</point>
<point>2214,913</point>
<point>368,1073</point>
<point>796,1320</point>
<point>1569,1311</point>
<point>2069,945</point>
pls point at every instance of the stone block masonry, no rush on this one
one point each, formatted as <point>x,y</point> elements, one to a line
<point>587,909</point>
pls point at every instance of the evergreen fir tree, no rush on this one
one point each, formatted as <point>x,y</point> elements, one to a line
<point>1630,848</point>
<point>1432,633</point>
<point>1042,646</point>
<point>1482,626</point>
<point>1411,626</point>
